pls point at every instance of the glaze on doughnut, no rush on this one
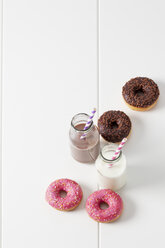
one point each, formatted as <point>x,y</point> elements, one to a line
<point>114,126</point>
<point>108,196</point>
<point>140,93</point>
<point>72,199</point>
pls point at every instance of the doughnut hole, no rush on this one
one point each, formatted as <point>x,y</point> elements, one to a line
<point>113,125</point>
<point>103,205</point>
<point>139,91</point>
<point>63,193</point>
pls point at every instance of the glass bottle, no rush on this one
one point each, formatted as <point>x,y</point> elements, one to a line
<point>84,150</point>
<point>111,174</point>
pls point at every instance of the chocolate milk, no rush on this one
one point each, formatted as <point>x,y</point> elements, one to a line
<point>84,150</point>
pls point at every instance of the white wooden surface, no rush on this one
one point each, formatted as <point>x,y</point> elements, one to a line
<point>50,74</point>
<point>132,42</point>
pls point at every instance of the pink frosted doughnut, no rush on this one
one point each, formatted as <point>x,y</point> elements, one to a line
<point>72,199</point>
<point>108,196</point>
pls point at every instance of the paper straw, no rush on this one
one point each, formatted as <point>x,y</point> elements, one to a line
<point>119,149</point>
<point>88,122</point>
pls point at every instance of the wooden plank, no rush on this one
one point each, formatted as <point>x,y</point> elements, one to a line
<point>49,74</point>
<point>132,44</point>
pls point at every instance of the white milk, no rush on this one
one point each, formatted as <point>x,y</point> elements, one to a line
<point>114,176</point>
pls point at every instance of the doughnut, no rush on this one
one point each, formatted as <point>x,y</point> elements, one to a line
<point>140,93</point>
<point>109,197</point>
<point>72,199</point>
<point>114,125</point>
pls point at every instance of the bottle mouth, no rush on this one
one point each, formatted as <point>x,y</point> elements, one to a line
<point>107,149</point>
<point>81,118</point>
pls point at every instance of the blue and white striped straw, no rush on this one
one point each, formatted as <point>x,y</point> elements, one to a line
<point>88,122</point>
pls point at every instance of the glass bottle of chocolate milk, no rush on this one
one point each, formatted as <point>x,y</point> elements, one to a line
<point>84,150</point>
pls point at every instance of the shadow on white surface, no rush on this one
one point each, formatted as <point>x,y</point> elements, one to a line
<point>146,176</point>
<point>137,126</point>
<point>139,178</point>
<point>86,192</point>
<point>161,101</point>
<point>135,138</point>
<point>129,210</point>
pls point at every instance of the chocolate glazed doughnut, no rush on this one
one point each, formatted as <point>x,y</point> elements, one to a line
<point>140,93</point>
<point>114,126</point>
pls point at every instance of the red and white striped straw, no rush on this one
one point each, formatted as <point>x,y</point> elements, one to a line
<point>119,148</point>
<point>88,122</point>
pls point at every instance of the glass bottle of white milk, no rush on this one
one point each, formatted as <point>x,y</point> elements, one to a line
<point>111,174</point>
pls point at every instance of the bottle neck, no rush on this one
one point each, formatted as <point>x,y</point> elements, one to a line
<point>107,153</point>
<point>79,121</point>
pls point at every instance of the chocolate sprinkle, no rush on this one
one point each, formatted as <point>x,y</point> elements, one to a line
<point>140,92</point>
<point>114,126</point>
